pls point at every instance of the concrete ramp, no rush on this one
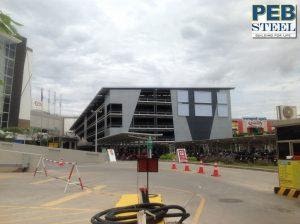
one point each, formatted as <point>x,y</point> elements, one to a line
<point>20,157</point>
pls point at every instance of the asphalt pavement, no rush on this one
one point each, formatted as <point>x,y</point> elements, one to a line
<point>237,196</point>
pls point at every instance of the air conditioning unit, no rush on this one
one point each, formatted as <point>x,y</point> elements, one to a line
<point>286,112</point>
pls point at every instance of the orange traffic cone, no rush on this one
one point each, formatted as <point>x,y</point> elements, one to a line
<point>173,167</point>
<point>216,170</point>
<point>186,167</point>
<point>201,168</point>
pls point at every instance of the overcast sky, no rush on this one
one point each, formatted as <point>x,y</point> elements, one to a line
<point>80,46</point>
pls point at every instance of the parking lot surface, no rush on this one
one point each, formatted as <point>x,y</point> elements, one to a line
<point>237,196</point>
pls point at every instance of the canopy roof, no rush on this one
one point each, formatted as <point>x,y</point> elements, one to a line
<point>126,137</point>
<point>237,140</point>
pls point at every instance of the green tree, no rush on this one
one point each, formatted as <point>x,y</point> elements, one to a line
<point>7,25</point>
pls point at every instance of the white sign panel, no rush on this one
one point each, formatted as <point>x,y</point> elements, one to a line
<point>111,155</point>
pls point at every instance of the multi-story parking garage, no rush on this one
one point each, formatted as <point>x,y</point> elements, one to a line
<point>172,114</point>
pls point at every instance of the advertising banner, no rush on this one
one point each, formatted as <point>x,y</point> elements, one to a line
<point>111,155</point>
<point>181,155</point>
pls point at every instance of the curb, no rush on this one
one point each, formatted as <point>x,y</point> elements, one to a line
<point>233,166</point>
<point>288,192</point>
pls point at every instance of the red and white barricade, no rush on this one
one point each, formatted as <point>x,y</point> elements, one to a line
<point>42,168</point>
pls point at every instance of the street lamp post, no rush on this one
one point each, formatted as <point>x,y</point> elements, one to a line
<point>96,131</point>
<point>96,124</point>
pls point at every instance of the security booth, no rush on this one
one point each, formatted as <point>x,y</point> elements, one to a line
<point>288,149</point>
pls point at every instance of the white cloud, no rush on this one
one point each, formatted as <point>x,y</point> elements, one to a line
<point>80,46</point>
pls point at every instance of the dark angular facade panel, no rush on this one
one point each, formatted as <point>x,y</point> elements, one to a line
<point>17,84</point>
<point>200,127</point>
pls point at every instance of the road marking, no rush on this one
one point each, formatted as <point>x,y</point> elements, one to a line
<point>66,198</point>
<point>175,189</point>
<point>199,210</point>
<point>10,213</point>
<point>10,208</point>
<point>6,177</point>
<point>180,171</point>
<point>189,200</point>
<point>13,207</point>
<point>99,187</point>
<point>72,221</point>
<point>41,217</point>
<point>48,180</point>
<point>70,197</point>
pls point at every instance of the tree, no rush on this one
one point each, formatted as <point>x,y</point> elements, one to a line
<point>7,25</point>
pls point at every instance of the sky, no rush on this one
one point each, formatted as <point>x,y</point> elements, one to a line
<point>80,46</point>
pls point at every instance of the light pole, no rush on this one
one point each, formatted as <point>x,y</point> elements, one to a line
<point>96,123</point>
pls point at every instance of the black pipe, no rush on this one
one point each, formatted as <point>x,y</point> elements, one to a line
<point>159,211</point>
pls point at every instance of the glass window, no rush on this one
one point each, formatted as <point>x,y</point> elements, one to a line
<point>7,99</point>
<point>183,109</point>
<point>13,47</point>
<point>296,149</point>
<point>114,108</point>
<point>116,122</point>
<point>12,53</point>
<point>6,107</point>
<point>10,72</point>
<point>202,97</point>
<point>222,110</point>
<point>9,80</point>
<point>5,117</point>
<point>183,96</point>
<point>9,63</point>
<point>8,89</point>
<point>222,97</point>
<point>283,150</point>
<point>6,50</point>
<point>203,110</point>
<point>4,124</point>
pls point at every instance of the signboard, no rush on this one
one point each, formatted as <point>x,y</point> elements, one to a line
<point>181,155</point>
<point>111,155</point>
<point>254,124</point>
<point>147,165</point>
<point>288,172</point>
<point>274,21</point>
<point>37,105</point>
<point>149,144</point>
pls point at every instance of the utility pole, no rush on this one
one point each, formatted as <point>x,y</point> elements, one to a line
<point>49,100</point>
<point>54,101</point>
<point>60,104</point>
<point>42,101</point>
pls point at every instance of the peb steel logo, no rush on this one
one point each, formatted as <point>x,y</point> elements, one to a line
<point>274,21</point>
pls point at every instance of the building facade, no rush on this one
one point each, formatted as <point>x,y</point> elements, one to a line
<point>175,114</point>
<point>14,88</point>
<point>54,124</point>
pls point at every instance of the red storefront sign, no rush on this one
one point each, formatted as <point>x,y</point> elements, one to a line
<point>255,124</point>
